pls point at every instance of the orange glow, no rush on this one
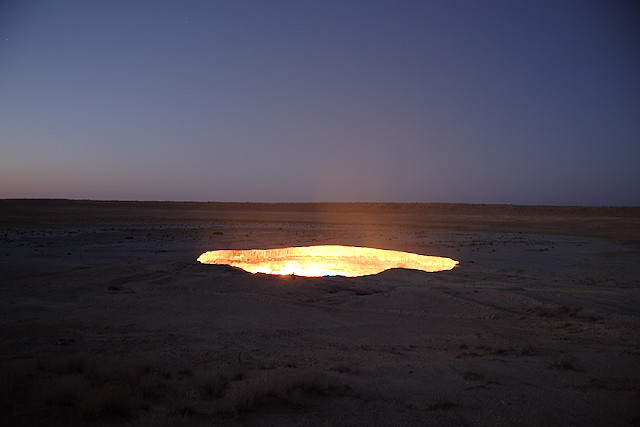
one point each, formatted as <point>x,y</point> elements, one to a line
<point>314,261</point>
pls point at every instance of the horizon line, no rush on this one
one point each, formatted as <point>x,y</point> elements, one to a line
<point>63,199</point>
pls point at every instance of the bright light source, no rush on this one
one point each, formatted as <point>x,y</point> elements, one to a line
<point>327,260</point>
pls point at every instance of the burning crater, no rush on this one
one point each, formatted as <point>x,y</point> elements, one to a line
<point>327,260</point>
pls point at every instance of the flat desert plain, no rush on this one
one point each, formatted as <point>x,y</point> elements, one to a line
<point>108,319</point>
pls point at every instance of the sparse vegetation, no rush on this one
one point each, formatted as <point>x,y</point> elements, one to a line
<point>285,386</point>
<point>472,376</point>
<point>13,375</point>
<point>561,310</point>
<point>494,349</point>
<point>62,364</point>
<point>79,388</point>
<point>214,385</point>
<point>565,362</point>
<point>442,404</point>
<point>65,390</point>
<point>525,349</point>
<point>181,404</point>
<point>111,401</point>
<point>343,366</point>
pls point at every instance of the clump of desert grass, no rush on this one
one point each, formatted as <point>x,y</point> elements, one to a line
<point>62,364</point>
<point>110,401</point>
<point>471,375</point>
<point>565,362</point>
<point>130,371</point>
<point>442,404</point>
<point>280,386</point>
<point>13,375</point>
<point>562,310</point>
<point>522,349</point>
<point>525,349</point>
<point>214,385</point>
<point>64,390</point>
<point>343,366</point>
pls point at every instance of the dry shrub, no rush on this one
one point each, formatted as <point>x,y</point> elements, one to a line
<point>266,364</point>
<point>184,370</point>
<point>112,401</point>
<point>343,366</point>
<point>278,386</point>
<point>633,419</point>
<point>214,386</point>
<point>467,355</point>
<point>611,384</point>
<point>181,404</point>
<point>525,349</point>
<point>132,371</point>
<point>66,390</point>
<point>181,410</point>
<point>472,376</point>
<point>99,372</point>
<point>494,349</point>
<point>246,394</point>
<point>153,387</point>
<point>565,362</point>
<point>442,404</point>
<point>546,310</point>
<point>236,370</point>
<point>552,310</point>
<point>14,376</point>
<point>129,371</point>
<point>587,314</point>
<point>63,364</point>
<point>497,350</point>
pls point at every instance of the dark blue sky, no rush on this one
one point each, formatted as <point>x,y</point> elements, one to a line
<point>526,102</point>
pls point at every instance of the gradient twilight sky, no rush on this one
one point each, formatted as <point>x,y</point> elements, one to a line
<point>525,102</point>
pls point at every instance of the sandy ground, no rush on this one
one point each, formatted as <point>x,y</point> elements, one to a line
<point>107,318</point>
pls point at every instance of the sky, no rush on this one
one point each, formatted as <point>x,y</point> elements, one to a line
<point>519,102</point>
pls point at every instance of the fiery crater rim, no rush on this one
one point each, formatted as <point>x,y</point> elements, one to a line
<point>325,260</point>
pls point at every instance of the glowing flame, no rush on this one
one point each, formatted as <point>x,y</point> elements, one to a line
<point>314,261</point>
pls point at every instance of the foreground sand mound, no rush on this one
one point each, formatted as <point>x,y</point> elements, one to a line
<point>325,260</point>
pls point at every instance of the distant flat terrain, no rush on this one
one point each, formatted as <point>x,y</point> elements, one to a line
<point>107,318</point>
